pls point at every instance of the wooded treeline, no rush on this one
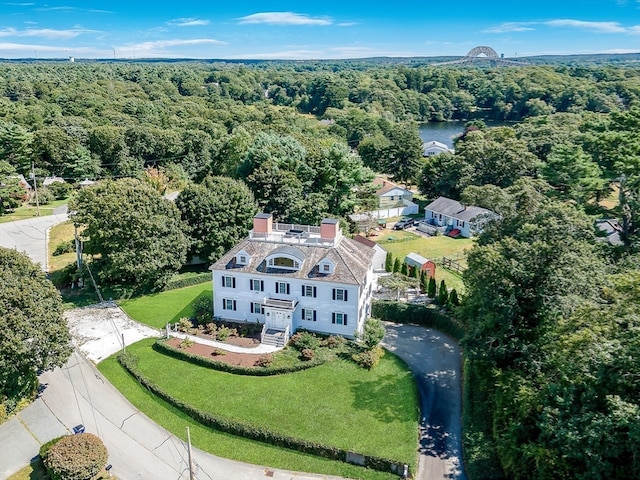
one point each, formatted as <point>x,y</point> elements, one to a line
<point>551,311</point>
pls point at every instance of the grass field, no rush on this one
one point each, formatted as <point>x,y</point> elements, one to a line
<point>400,243</point>
<point>61,233</point>
<point>30,211</point>
<point>233,447</point>
<point>158,309</point>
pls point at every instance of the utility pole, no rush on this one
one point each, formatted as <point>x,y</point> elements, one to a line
<point>191,476</point>
<point>35,188</point>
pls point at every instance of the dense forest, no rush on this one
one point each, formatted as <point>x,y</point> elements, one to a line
<point>551,309</point>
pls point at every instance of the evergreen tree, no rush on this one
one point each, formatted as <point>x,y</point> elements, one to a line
<point>388,263</point>
<point>396,265</point>
<point>443,294</point>
<point>404,269</point>
<point>453,298</point>
<point>431,288</point>
<point>424,281</point>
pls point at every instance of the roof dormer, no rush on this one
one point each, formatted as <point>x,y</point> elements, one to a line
<point>326,266</point>
<point>243,258</point>
<point>286,258</point>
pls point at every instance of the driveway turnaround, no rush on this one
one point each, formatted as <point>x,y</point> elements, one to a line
<point>435,361</point>
<point>30,235</point>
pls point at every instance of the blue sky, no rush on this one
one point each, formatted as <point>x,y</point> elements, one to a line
<point>315,30</point>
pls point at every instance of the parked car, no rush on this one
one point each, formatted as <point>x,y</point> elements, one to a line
<point>403,223</point>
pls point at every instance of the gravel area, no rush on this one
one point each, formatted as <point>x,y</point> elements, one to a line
<point>98,330</point>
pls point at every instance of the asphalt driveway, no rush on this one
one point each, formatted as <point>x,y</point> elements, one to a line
<point>30,235</point>
<point>435,360</point>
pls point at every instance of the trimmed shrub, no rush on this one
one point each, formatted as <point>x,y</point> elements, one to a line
<point>162,347</point>
<point>184,281</point>
<point>44,448</point>
<point>303,340</point>
<point>307,354</point>
<point>186,343</point>
<point>432,317</point>
<point>334,341</point>
<point>226,332</point>
<point>184,324</point>
<point>264,360</point>
<point>368,358</point>
<point>76,457</point>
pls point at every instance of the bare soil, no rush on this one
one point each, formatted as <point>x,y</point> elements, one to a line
<point>220,355</point>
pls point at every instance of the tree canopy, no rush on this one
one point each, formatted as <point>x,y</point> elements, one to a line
<point>136,235</point>
<point>34,336</point>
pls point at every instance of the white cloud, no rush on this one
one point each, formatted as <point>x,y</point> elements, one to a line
<point>284,18</point>
<point>159,45</point>
<point>598,27</point>
<point>188,22</point>
<point>45,32</point>
<point>509,27</point>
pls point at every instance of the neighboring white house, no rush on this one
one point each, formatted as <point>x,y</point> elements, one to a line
<point>455,218</point>
<point>433,147</point>
<point>391,195</point>
<point>51,180</point>
<point>292,277</point>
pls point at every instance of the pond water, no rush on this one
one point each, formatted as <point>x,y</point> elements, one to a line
<point>445,132</point>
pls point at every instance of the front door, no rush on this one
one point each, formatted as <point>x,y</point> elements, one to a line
<point>278,319</point>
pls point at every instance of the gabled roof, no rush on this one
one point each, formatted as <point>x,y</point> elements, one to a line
<point>352,260</point>
<point>419,259</point>
<point>453,208</point>
<point>434,144</point>
<point>385,186</point>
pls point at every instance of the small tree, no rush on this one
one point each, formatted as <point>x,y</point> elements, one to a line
<point>388,263</point>
<point>453,298</point>
<point>373,333</point>
<point>404,269</point>
<point>443,294</point>
<point>397,264</point>
<point>424,281</point>
<point>431,288</point>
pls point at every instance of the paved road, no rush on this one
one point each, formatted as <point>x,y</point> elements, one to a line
<point>435,361</point>
<point>30,235</point>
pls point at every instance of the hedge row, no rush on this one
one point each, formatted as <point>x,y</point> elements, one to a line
<point>162,347</point>
<point>254,432</point>
<point>188,281</point>
<point>400,312</point>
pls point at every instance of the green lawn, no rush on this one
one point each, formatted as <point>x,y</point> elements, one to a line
<point>400,243</point>
<point>61,233</point>
<point>158,309</point>
<point>241,449</point>
<point>30,211</point>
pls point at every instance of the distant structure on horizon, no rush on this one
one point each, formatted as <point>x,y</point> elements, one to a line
<point>482,54</point>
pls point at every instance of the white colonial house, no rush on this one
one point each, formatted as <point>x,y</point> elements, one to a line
<point>292,277</point>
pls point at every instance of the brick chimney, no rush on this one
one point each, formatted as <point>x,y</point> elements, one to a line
<point>329,229</point>
<point>262,224</point>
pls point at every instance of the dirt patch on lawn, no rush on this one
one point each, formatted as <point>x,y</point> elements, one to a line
<point>220,355</point>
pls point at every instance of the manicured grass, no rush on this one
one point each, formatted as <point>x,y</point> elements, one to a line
<point>400,243</point>
<point>158,309</point>
<point>58,234</point>
<point>222,444</point>
<point>373,412</point>
<point>30,211</point>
